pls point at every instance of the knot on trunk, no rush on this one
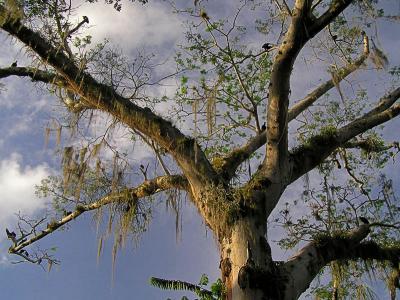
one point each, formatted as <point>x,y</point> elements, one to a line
<point>244,276</point>
<point>269,281</point>
<point>226,267</point>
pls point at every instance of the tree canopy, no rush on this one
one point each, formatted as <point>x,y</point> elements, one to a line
<point>259,96</point>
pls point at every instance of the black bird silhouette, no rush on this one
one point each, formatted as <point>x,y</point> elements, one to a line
<point>11,235</point>
<point>14,64</point>
<point>267,46</point>
<point>263,127</point>
<point>364,220</point>
<point>86,19</point>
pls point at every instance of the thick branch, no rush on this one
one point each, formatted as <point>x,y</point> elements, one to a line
<point>302,268</point>
<point>336,7</point>
<point>35,74</point>
<point>319,147</point>
<point>185,150</point>
<point>147,188</point>
<point>279,90</point>
<point>234,159</point>
<point>304,26</point>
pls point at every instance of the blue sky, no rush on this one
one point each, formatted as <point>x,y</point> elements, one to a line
<point>25,111</point>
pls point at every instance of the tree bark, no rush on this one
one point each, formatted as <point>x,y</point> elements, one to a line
<point>239,253</point>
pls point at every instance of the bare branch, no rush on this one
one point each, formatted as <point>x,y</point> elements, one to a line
<point>234,159</point>
<point>298,34</point>
<point>279,89</point>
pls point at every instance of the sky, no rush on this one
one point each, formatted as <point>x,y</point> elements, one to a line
<point>26,110</point>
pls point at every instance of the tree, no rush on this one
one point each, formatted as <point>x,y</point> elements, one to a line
<point>233,169</point>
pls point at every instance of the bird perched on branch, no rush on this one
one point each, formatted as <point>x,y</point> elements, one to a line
<point>10,234</point>
<point>267,46</point>
<point>86,19</point>
<point>263,127</point>
<point>14,64</point>
<point>204,15</point>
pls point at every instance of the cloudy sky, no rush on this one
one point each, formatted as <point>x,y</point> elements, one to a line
<point>25,110</point>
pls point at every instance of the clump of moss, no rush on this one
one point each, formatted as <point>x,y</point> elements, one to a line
<point>223,207</point>
<point>52,225</point>
<point>80,209</point>
<point>217,162</point>
<point>326,135</point>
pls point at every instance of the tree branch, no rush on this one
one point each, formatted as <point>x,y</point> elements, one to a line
<point>297,35</point>
<point>185,150</point>
<point>336,7</point>
<point>319,147</point>
<point>369,145</point>
<point>302,268</point>
<point>279,90</point>
<point>147,188</point>
<point>307,101</point>
<point>236,157</point>
<point>34,73</point>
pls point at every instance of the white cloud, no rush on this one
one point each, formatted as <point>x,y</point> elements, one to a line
<point>17,190</point>
<point>134,26</point>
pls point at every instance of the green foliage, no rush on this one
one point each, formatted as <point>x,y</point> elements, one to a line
<point>223,83</point>
<point>351,184</point>
<point>216,292</point>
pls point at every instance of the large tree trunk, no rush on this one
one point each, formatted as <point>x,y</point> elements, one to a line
<point>246,264</point>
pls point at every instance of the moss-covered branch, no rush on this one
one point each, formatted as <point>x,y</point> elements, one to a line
<point>147,188</point>
<point>319,147</point>
<point>185,150</point>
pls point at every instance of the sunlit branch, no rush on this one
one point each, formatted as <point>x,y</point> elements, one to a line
<point>237,156</point>
<point>336,7</point>
<point>307,157</point>
<point>309,261</point>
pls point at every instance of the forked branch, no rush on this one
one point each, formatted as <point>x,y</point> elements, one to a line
<point>237,156</point>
